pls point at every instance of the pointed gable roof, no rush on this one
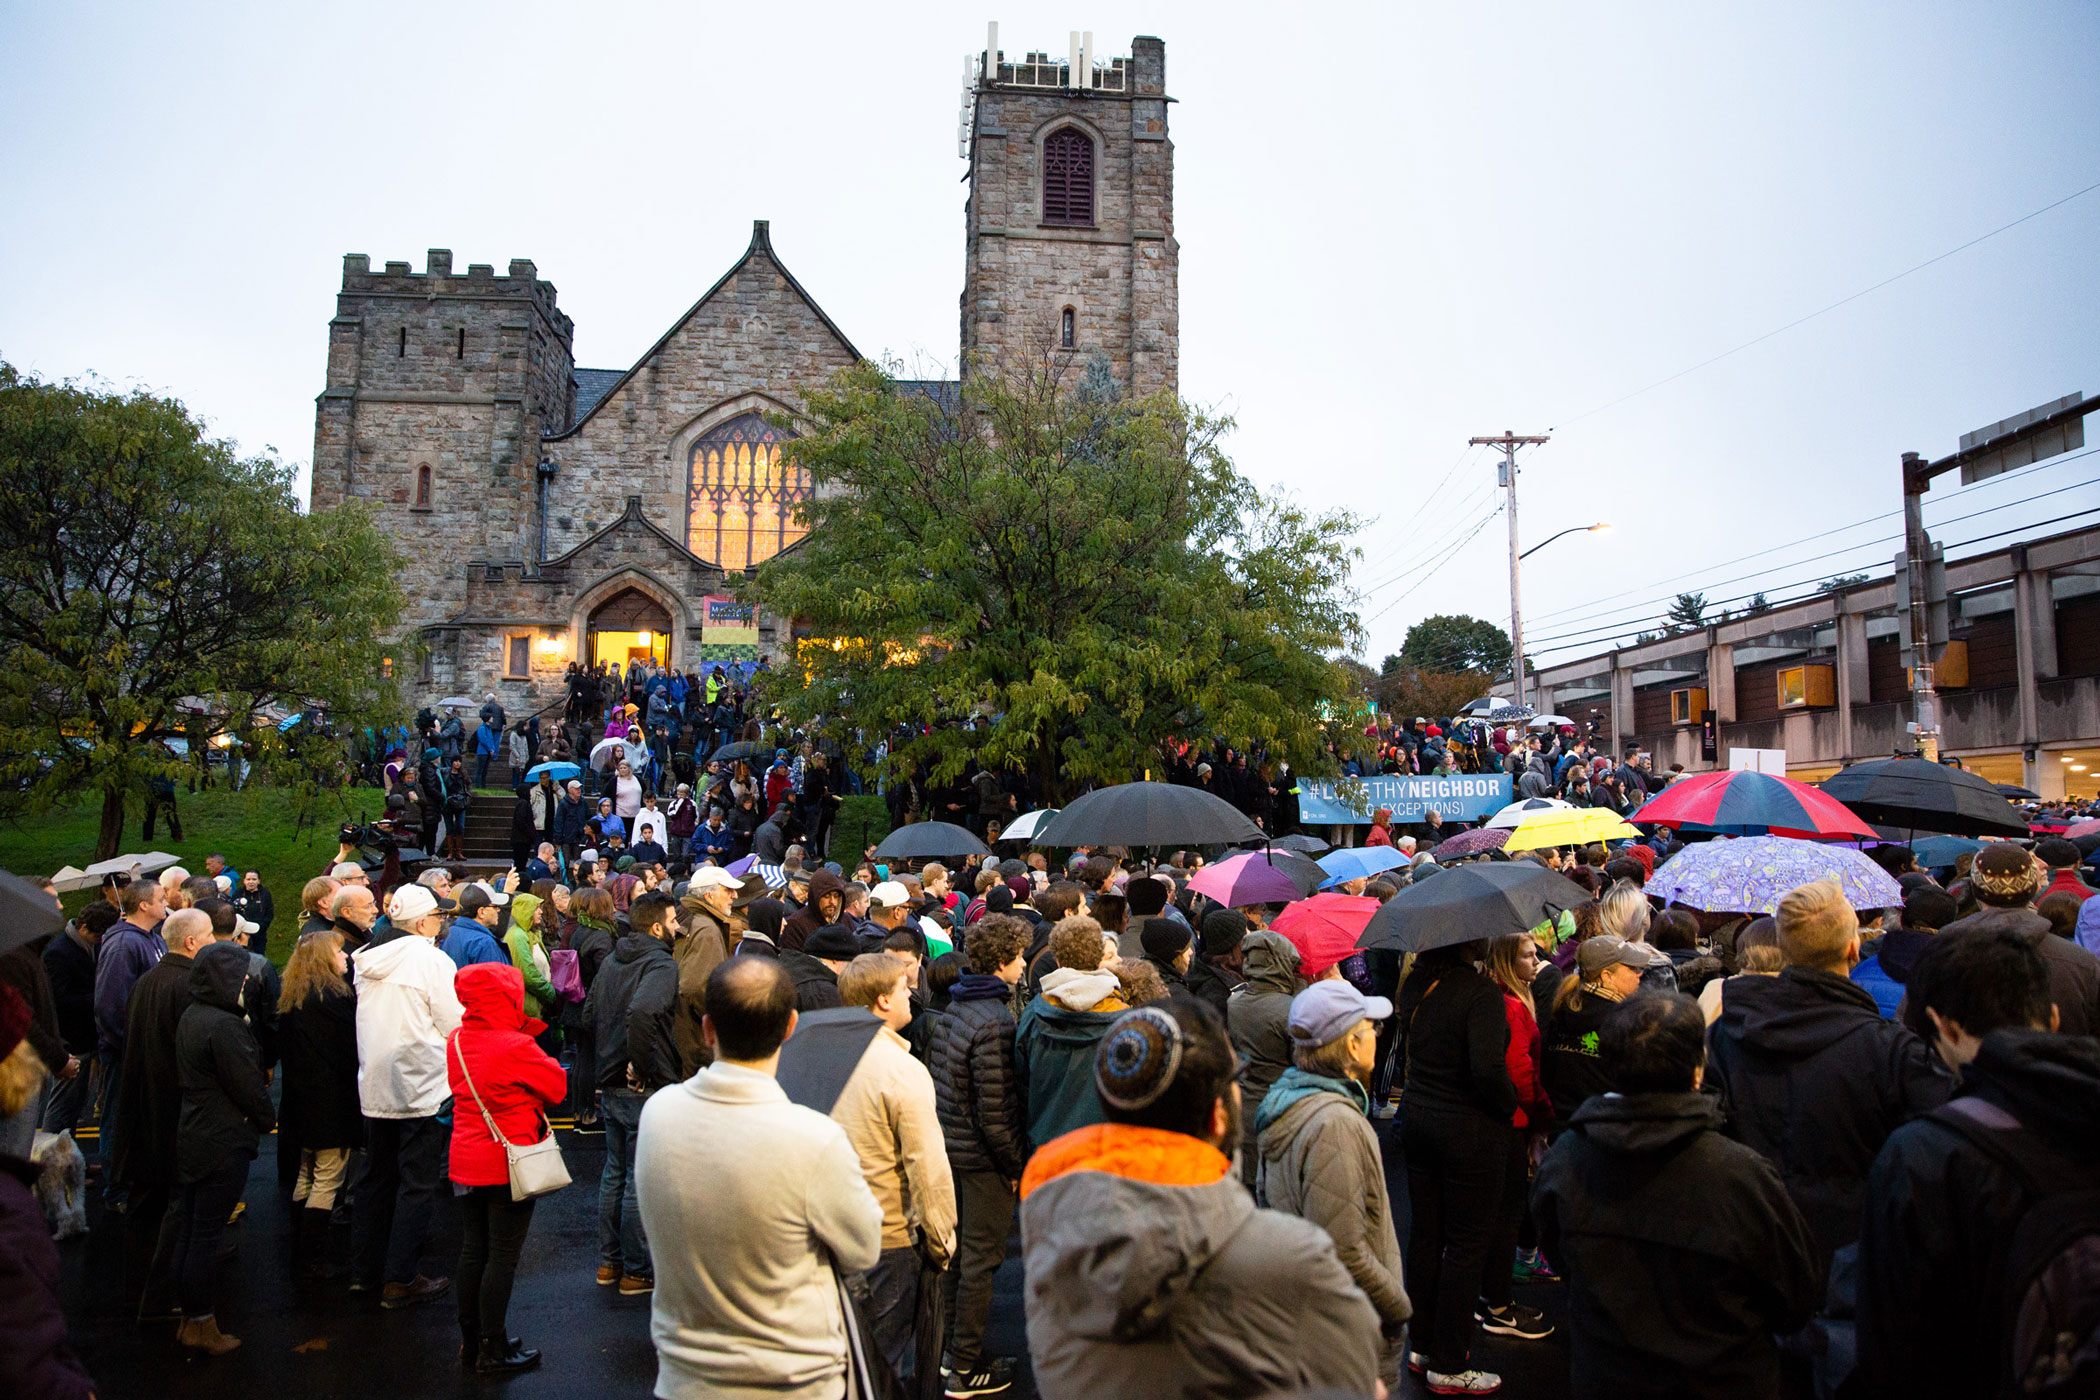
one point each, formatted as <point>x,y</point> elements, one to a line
<point>761,246</point>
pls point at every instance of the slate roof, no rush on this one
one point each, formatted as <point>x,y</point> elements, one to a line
<point>591,386</point>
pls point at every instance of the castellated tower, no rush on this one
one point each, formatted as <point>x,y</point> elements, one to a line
<point>1070,239</point>
<point>439,387</point>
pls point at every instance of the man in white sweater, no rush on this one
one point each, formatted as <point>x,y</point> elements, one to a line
<point>765,1202</point>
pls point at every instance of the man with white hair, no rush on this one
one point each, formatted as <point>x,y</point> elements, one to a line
<point>348,872</point>
<point>406,1011</point>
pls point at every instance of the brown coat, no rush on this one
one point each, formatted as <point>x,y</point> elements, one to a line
<point>705,943</point>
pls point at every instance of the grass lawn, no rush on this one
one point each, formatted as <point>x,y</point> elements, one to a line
<point>860,823</point>
<point>253,830</point>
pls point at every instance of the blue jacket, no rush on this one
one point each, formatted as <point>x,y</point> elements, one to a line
<point>485,741</point>
<point>467,942</point>
<point>128,953</point>
<point>717,842</point>
<point>1054,1061</point>
<point>570,814</point>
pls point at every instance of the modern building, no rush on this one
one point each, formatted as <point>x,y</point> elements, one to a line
<point>1824,678</point>
<point>547,513</point>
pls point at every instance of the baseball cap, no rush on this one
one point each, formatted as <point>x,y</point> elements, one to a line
<point>1326,1011</point>
<point>346,870</point>
<point>496,896</point>
<point>244,928</point>
<point>1610,950</point>
<point>889,894</point>
<point>707,877</point>
<point>410,903</point>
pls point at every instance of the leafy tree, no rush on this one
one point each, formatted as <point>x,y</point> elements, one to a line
<point>1841,583</point>
<point>1455,642</point>
<point>155,586</point>
<point>1757,604</point>
<point>1688,611</point>
<point>1409,691</point>
<point>1080,579</point>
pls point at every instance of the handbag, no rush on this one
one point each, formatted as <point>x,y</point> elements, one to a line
<point>565,973</point>
<point>535,1168</point>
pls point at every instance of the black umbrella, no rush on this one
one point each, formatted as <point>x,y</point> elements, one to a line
<point>1149,814</point>
<point>1306,842</point>
<point>1912,793</point>
<point>746,749</point>
<point>1468,902</point>
<point>929,841</point>
<point>26,912</point>
<point>2015,790</point>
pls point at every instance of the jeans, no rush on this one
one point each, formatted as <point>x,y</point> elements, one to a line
<point>620,1239</point>
<point>984,1208</point>
<point>1497,1274</point>
<point>68,1101</point>
<point>481,769</point>
<point>396,1195</point>
<point>890,1294</point>
<point>1455,1165</point>
<point>492,1237</point>
<point>205,1206</point>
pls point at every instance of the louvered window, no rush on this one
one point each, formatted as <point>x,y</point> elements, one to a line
<point>1068,178</point>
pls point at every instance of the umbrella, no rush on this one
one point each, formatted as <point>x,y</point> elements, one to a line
<point>1304,842</point>
<point>745,749</point>
<point>1471,843</point>
<point>1577,826</point>
<point>1471,902</point>
<point>1751,874</point>
<point>1361,862</point>
<point>1148,814</point>
<point>1550,721</point>
<point>1487,704</point>
<point>68,878</point>
<point>1514,814</point>
<point>1025,826</point>
<point>285,724</point>
<point>560,772</point>
<point>740,865</point>
<point>828,1045</point>
<point>2084,828</point>
<point>1324,929</point>
<point>1252,878</point>
<point>1935,851</point>
<point>150,863</point>
<point>608,752</point>
<point>456,702</point>
<point>1750,804</point>
<point>1510,714</point>
<point>1909,792</point>
<point>26,912</point>
<point>929,841</point>
<point>2015,790</point>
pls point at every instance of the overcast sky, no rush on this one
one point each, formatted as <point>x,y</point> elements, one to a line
<point>1401,225</point>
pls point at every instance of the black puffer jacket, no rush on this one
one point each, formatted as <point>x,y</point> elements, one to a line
<point>225,1095</point>
<point>1810,1075</point>
<point>979,1098</point>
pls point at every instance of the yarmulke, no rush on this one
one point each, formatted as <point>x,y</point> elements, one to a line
<point>1138,1058</point>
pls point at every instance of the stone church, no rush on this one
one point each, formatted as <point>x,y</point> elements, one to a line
<point>548,513</point>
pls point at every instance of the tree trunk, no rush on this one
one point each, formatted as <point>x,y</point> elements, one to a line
<point>111,834</point>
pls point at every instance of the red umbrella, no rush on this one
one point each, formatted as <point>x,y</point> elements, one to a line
<point>1324,929</point>
<point>1751,804</point>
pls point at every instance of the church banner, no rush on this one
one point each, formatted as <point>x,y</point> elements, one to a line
<point>728,629</point>
<point>1461,797</point>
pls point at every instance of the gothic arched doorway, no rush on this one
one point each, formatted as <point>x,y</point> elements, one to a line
<point>630,626</point>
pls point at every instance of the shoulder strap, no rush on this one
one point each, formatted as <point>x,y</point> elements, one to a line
<point>486,1116</point>
<point>1433,984</point>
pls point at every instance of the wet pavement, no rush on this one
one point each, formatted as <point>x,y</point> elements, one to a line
<point>305,1340</point>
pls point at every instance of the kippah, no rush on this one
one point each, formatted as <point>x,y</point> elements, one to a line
<point>1138,1058</point>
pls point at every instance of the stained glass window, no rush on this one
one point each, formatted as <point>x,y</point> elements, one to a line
<point>1068,177</point>
<point>741,500</point>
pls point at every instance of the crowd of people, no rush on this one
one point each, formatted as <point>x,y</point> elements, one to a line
<point>1793,1154</point>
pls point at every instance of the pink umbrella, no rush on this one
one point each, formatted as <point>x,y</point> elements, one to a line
<point>1246,879</point>
<point>1324,929</point>
<point>2078,829</point>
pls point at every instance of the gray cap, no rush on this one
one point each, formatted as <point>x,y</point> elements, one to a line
<point>1609,950</point>
<point>1327,1011</point>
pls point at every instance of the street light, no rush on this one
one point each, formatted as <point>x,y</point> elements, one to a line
<point>1516,614</point>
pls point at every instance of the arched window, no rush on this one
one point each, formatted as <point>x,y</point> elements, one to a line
<point>1068,177</point>
<point>1067,330</point>
<point>741,497</point>
<point>423,487</point>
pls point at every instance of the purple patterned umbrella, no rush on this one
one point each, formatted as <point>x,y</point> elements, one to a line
<point>1472,843</point>
<point>1751,874</point>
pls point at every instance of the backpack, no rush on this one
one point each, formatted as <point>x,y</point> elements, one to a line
<point>2052,1267</point>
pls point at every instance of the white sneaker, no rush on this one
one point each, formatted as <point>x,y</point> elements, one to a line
<point>1463,1383</point>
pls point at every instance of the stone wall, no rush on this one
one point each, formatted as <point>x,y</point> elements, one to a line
<point>1120,276</point>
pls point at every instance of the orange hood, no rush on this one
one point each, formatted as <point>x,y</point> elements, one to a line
<point>1151,1155</point>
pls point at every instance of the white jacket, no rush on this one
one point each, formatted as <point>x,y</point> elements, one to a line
<point>646,820</point>
<point>406,1010</point>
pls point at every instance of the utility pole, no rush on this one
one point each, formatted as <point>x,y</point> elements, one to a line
<point>1917,553</point>
<point>1509,443</point>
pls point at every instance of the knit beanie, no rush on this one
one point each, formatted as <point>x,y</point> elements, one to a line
<point>1147,896</point>
<point>2004,876</point>
<point>1163,940</point>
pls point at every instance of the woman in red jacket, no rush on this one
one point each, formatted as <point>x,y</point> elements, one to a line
<point>1381,828</point>
<point>1512,962</point>
<point>494,1066</point>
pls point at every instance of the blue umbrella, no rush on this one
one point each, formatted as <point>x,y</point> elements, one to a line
<point>560,772</point>
<point>287,722</point>
<point>1935,851</point>
<point>1361,862</point>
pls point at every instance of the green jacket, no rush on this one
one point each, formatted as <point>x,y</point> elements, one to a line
<point>519,940</point>
<point>1054,1060</point>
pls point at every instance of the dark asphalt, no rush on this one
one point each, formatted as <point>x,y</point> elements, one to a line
<point>316,1341</point>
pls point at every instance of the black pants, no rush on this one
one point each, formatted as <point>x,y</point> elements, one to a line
<point>154,803</point>
<point>1501,1258</point>
<point>1456,1161</point>
<point>396,1196</point>
<point>206,1204</point>
<point>492,1236</point>
<point>984,1209</point>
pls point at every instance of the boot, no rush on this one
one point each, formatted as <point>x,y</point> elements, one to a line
<point>503,1354</point>
<point>202,1334</point>
<point>312,1244</point>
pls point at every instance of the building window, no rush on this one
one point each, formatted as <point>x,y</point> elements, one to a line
<point>423,487</point>
<point>1068,177</point>
<point>741,495</point>
<point>1067,329</point>
<point>517,656</point>
<point>386,668</point>
<point>462,344</point>
<point>401,345</point>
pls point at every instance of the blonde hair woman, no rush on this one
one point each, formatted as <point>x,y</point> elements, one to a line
<point>317,1035</point>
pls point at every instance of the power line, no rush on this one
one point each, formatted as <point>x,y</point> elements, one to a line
<point>1460,512</point>
<point>1842,301</point>
<point>1448,556</point>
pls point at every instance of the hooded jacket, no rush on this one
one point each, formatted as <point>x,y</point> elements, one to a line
<point>1320,1162</point>
<point>225,1095</point>
<point>1942,1209</point>
<point>318,1041</point>
<point>1054,1051</point>
<point>1258,1014</point>
<point>406,1008</point>
<point>1811,1076</point>
<point>1149,1271</point>
<point>632,1007</point>
<point>1683,1252</point>
<point>468,941</point>
<point>816,986</point>
<point>976,1089</point>
<point>763,919</point>
<point>521,940</point>
<point>810,918</point>
<point>513,1079</point>
<point>2074,973</point>
<point>149,1096</point>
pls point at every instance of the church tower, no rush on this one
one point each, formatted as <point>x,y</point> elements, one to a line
<point>1070,242</point>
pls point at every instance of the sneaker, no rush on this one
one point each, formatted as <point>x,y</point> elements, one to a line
<point>418,1290</point>
<point>1533,1268</point>
<point>635,1285</point>
<point>989,1377</point>
<point>608,1275</point>
<point>1462,1382</point>
<point>1516,1320</point>
<point>1417,1363</point>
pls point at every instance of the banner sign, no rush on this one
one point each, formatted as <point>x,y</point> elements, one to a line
<point>728,630</point>
<point>1461,797</point>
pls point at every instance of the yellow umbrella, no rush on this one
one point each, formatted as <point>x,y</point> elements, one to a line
<point>1569,827</point>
